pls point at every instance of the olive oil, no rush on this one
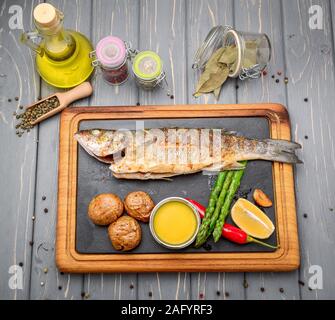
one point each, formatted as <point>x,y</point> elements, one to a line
<point>62,56</point>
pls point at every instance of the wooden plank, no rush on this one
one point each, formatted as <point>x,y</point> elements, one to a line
<point>201,17</point>
<point>53,284</point>
<point>310,65</point>
<point>162,29</point>
<point>264,16</point>
<point>118,18</point>
<point>18,155</point>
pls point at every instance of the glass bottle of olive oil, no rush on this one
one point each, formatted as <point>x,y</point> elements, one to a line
<point>62,56</point>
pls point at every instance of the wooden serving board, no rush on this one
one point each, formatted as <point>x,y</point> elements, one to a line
<point>74,253</point>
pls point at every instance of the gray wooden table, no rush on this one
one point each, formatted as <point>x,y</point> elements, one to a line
<point>175,29</point>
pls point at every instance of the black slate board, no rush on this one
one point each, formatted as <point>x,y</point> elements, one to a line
<point>95,177</point>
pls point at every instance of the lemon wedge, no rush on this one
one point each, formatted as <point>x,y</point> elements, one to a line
<point>251,219</point>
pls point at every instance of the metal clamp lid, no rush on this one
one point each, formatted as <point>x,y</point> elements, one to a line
<point>212,42</point>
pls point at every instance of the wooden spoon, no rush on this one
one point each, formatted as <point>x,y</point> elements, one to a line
<point>65,98</point>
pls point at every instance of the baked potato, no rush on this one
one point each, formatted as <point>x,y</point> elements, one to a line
<point>105,208</point>
<point>125,233</point>
<point>139,205</point>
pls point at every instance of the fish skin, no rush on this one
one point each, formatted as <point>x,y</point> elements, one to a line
<point>167,152</point>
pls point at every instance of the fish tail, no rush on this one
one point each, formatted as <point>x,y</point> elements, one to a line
<point>282,151</point>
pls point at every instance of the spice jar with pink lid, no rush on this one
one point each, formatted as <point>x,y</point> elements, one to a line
<point>111,56</point>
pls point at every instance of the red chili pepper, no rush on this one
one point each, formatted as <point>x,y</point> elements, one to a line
<point>201,209</point>
<point>230,232</point>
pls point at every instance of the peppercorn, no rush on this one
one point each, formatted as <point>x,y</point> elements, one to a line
<point>46,210</point>
<point>44,197</point>
<point>277,80</point>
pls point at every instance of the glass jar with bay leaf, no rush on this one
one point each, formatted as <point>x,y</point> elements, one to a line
<point>230,53</point>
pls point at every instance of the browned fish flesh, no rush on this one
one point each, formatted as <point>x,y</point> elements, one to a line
<point>164,153</point>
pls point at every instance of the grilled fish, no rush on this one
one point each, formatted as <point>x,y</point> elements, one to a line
<point>164,153</point>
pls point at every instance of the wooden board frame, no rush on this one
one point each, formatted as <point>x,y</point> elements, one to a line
<point>285,258</point>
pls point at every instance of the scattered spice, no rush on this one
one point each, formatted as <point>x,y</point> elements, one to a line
<point>21,264</point>
<point>277,80</point>
<point>87,295</point>
<point>138,104</point>
<point>301,283</point>
<point>44,197</point>
<point>46,210</point>
<point>264,73</point>
<point>9,100</point>
<point>33,218</point>
<point>150,294</point>
<point>201,295</point>
<point>218,293</point>
<point>305,215</point>
<point>306,99</point>
<point>331,209</point>
<point>245,284</point>
<point>310,289</point>
<point>281,290</point>
<point>31,243</point>
<point>21,107</point>
<point>171,96</point>
<point>62,273</point>
<point>237,87</point>
<point>227,294</point>
<point>286,80</point>
<point>59,287</point>
<point>45,270</point>
<point>273,76</point>
<point>83,294</point>
<point>16,98</point>
<point>279,73</point>
<point>131,286</point>
<point>262,289</point>
<point>42,283</point>
<point>33,113</point>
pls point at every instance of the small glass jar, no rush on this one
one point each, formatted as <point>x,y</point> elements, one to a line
<point>253,51</point>
<point>148,70</point>
<point>111,56</point>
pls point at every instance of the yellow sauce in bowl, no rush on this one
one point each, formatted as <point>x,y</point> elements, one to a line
<point>174,223</point>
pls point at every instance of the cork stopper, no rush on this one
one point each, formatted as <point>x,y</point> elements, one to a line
<point>45,15</point>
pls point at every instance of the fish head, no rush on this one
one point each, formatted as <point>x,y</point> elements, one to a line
<point>104,145</point>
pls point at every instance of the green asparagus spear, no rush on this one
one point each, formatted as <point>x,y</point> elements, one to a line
<point>236,181</point>
<point>210,208</point>
<point>220,202</point>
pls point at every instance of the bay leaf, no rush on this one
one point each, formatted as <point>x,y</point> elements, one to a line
<point>213,60</point>
<point>211,68</point>
<point>229,56</point>
<point>215,80</point>
<point>217,92</point>
<point>250,54</point>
